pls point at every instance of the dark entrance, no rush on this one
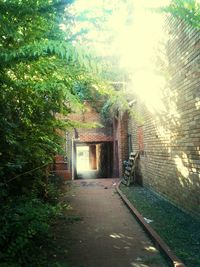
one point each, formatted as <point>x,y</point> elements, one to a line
<point>93,160</point>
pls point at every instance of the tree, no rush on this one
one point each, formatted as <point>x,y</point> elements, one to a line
<point>40,71</point>
<point>44,76</point>
<point>187,10</point>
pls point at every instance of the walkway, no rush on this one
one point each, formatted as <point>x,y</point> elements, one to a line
<point>107,235</point>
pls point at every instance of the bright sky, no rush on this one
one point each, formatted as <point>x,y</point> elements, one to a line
<point>136,43</point>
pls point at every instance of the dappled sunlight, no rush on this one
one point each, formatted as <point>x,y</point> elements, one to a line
<point>181,167</point>
<point>139,265</point>
<point>163,133</point>
<point>186,168</point>
<point>173,112</point>
<point>197,103</point>
<point>124,239</point>
<point>122,242</point>
<point>150,248</point>
<point>115,236</point>
<point>126,242</point>
<point>119,235</point>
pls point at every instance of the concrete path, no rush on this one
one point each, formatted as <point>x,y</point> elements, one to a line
<point>108,235</point>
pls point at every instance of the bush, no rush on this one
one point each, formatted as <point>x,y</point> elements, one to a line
<point>24,231</point>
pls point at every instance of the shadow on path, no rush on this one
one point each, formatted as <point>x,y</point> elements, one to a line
<point>106,234</point>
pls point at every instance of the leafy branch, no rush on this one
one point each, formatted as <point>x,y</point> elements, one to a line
<point>187,10</point>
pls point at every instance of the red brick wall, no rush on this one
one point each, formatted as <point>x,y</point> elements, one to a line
<point>85,135</point>
<point>120,143</point>
<point>90,115</point>
<point>140,138</point>
<point>116,147</point>
<point>61,167</point>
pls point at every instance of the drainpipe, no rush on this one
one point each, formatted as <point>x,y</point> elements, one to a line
<point>72,158</point>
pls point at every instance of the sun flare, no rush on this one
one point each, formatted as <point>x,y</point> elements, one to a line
<point>137,32</point>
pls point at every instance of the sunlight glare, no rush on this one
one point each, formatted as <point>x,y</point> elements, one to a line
<point>137,33</point>
<point>83,158</point>
<point>141,41</point>
<point>148,86</point>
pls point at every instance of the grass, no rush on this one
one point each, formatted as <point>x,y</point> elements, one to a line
<point>179,230</point>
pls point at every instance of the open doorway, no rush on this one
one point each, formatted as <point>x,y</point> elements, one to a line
<point>93,160</point>
<point>86,161</point>
<point>82,158</point>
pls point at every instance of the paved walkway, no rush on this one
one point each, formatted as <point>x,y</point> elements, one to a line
<point>108,235</point>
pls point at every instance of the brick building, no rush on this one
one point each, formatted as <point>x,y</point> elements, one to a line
<point>169,141</point>
<point>89,151</point>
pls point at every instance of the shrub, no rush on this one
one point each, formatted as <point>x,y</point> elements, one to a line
<point>24,231</point>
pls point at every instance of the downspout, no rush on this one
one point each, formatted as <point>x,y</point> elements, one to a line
<point>73,158</point>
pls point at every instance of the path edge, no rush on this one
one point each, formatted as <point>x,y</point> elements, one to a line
<point>174,260</point>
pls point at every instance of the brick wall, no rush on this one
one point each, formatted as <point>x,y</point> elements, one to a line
<point>92,116</point>
<point>120,137</point>
<point>170,163</point>
<point>123,142</point>
<point>101,134</point>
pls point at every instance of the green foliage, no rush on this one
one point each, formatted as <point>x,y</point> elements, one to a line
<point>114,104</point>
<point>118,104</point>
<point>24,230</point>
<point>95,30</point>
<point>187,10</point>
<point>39,72</point>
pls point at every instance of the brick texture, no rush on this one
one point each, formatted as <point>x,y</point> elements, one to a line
<point>101,134</point>
<point>95,138</point>
<point>91,116</point>
<point>170,163</point>
<point>120,137</point>
<point>123,142</point>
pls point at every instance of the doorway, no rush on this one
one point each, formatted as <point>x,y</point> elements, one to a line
<point>93,160</point>
<point>86,161</point>
<point>82,158</point>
